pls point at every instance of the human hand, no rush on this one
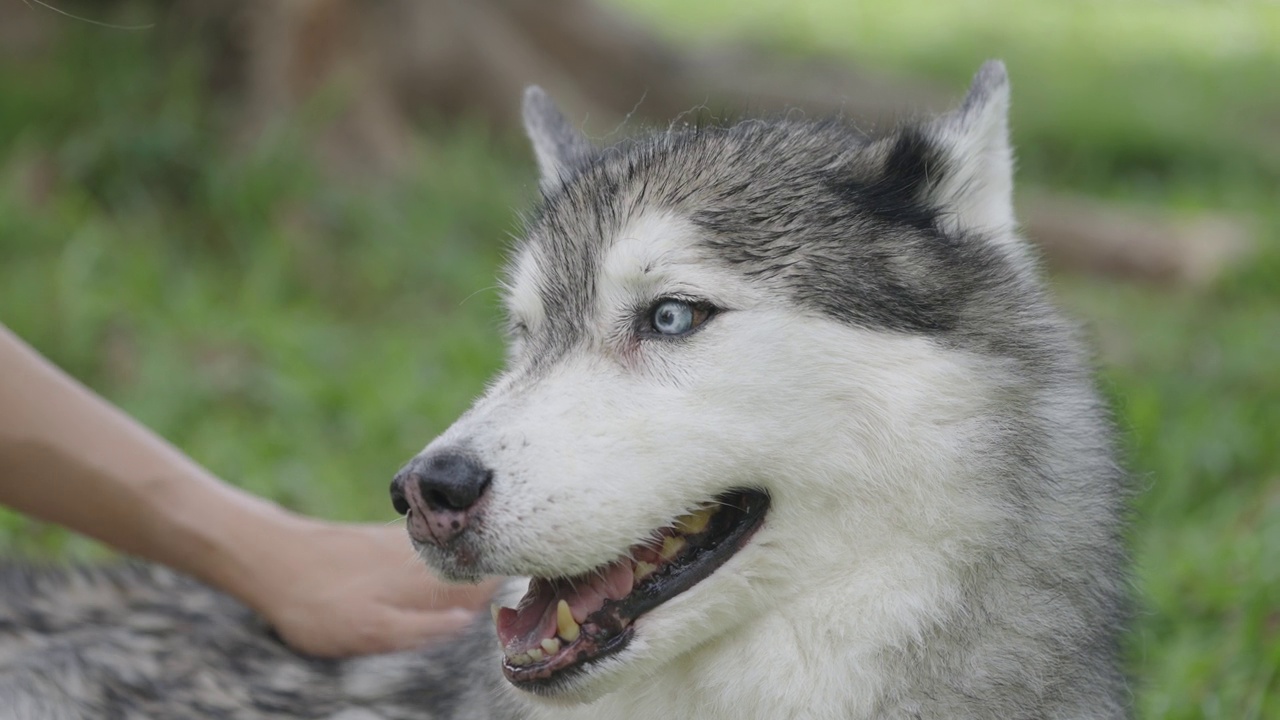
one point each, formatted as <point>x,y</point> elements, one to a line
<point>329,589</point>
<point>336,589</point>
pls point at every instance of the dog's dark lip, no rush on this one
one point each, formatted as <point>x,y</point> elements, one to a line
<point>610,629</point>
<point>550,681</point>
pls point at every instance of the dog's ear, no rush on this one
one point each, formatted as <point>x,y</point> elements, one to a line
<point>976,185</point>
<point>558,146</point>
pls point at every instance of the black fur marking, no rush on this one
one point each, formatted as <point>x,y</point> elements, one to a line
<point>899,195</point>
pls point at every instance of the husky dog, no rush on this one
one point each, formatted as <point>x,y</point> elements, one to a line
<point>788,429</point>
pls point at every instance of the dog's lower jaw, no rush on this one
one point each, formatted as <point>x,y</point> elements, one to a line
<point>668,636</point>
<point>722,603</point>
<point>717,651</point>
<point>699,684</point>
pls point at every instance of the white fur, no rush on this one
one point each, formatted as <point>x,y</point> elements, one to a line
<point>980,185</point>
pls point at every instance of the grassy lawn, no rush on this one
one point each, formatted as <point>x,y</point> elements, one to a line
<point>302,338</point>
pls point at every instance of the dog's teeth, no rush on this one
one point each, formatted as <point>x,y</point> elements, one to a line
<point>643,570</point>
<point>551,646</point>
<point>696,521</point>
<point>493,609</point>
<point>671,546</point>
<point>536,655</point>
<point>566,627</point>
<point>521,659</point>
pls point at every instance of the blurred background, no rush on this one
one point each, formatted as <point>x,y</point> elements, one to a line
<point>270,230</point>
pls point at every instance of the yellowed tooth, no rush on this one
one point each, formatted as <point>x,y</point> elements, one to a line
<point>521,659</point>
<point>493,609</point>
<point>551,645</point>
<point>696,521</point>
<point>566,627</point>
<point>535,654</point>
<point>643,569</point>
<point>671,545</point>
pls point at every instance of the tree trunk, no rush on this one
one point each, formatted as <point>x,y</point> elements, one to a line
<point>398,61</point>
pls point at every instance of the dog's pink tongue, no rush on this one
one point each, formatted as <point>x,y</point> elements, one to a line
<point>534,619</point>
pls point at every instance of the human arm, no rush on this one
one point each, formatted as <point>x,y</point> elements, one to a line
<point>69,457</point>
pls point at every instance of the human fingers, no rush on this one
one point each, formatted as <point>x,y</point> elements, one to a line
<point>408,630</point>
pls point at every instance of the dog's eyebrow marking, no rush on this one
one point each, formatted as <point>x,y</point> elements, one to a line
<point>646,243</point>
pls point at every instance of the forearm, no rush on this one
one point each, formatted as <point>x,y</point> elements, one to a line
<point>69,457</point>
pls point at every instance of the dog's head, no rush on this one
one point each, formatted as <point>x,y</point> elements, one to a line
<point>746,363</point>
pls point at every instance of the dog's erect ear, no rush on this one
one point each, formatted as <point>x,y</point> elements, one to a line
<point>977,187</point>
<point>558,146</point>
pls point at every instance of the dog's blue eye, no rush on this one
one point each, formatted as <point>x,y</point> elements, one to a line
<point>673,317</point>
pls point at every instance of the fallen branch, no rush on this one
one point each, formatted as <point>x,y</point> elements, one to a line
<point>1083,234</point>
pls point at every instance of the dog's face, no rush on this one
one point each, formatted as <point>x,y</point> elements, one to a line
<point>740,365</point>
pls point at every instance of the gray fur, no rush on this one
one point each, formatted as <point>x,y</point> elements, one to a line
<point>873,232</point>
<point>139,641</point>
<point>846,223</point>
<point>558,147</point>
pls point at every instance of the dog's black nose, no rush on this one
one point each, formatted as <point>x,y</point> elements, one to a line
<point>437,492</point>
<point>448,480</point>
<point>451,480</point>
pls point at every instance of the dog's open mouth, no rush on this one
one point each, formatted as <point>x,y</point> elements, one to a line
<point>562,625</point>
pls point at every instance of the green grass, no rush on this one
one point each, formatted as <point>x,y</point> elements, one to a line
<point>297,335</point>
<point>302,336</point>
